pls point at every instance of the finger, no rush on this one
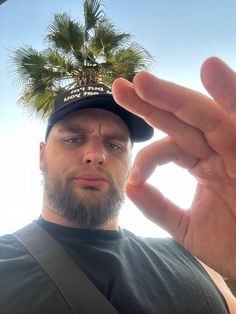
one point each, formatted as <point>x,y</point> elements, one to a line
<point>194,109</point>
<point>159,209</point>
<point>158,153</point>
<point>183,134</point>
<point>220,82</point>
<point>189,106</point>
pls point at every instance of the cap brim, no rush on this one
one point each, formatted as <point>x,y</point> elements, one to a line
<point>139,130</point>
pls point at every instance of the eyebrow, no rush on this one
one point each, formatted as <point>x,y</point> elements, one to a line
<point>117,136</point>
<point>71,128</point>
<point>75,129</point>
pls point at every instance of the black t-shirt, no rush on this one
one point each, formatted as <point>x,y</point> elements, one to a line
<point>136,275</point>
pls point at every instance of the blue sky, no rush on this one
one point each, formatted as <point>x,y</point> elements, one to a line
<point>180,34</point>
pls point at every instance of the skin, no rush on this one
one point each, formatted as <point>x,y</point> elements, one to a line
<point>101,146</point>
<point>201,137</point>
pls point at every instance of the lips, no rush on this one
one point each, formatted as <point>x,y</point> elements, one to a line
<point>91,180</point>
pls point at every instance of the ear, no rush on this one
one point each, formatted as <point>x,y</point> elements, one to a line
<point>42,147</point>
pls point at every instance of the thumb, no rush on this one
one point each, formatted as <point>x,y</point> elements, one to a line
<point>159,209</point>
<point>158,153</point>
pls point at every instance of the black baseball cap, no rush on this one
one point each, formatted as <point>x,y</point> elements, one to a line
<point>97,96</point>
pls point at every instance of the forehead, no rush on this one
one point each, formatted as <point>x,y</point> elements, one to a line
<point>87,118</point>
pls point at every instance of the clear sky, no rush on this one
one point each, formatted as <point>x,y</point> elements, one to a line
<point>180,34</point>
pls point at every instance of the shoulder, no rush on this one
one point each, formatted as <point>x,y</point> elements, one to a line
<point>13,257</point>
<point>10,247</point>
<point>168,252</point>
<point>163,250</point>
<point>176,265</point>
<point>166,247</point>
<point>22,279</point>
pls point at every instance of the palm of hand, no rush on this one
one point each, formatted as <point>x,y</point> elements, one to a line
<point>210,232</point>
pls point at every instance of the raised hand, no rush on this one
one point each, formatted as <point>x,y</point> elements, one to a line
<point>202,138</point>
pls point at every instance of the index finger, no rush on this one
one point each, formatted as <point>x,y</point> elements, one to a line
<point>183,134</point>
<point>187,105</point>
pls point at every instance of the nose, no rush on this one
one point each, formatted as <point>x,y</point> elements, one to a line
<point>94,154</point>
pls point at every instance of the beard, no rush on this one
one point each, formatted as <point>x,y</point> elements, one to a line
<point>89,208</point>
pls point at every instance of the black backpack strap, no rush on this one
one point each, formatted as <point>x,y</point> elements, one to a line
<point>79,292</point>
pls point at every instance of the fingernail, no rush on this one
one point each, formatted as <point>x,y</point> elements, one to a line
<point>128,83</point>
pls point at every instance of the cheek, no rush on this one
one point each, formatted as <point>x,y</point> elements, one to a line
<point>121,170</point>
<point>54,164</point>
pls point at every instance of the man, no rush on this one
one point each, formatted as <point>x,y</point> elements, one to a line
<point>85,163</point>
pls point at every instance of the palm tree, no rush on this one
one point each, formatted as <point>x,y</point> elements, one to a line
<point>76,54</point>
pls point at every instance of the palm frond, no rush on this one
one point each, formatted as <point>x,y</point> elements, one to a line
<point>92,14</point>
<point>38,105</point>
<point>144,59</point>
<point>107,39</point>
<point>59,63</point>
<point>28,64</point>
<point>126,62</point>
<point>65,34</point>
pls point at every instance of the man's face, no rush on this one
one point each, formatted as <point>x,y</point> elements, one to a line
<point>85,163</point>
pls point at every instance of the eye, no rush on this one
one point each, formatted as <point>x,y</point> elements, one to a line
<point>75,140</point>
<point>114,147</point>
